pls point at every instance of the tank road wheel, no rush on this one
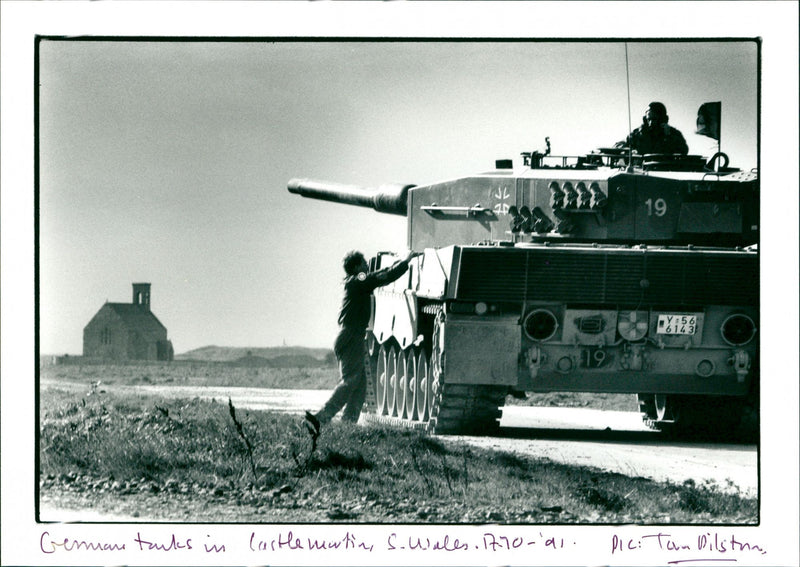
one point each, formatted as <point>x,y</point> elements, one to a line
<point>381,379</point>
<point>402,384</point>
<point>667,408</point>
<point>422,387</point>
<point>647,407</point>
<point>459,408</point>
<point>370,370</point>
<point>660,412</point>
<point>410,386</point>
<point>391,382</point>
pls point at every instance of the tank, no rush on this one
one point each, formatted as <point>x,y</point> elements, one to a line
<point>606,273</point>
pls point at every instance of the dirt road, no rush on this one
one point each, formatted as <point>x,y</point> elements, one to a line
<point>610,440</point>
<point>619,442</point>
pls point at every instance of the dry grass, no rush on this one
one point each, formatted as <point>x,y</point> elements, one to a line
<point>188,459</point>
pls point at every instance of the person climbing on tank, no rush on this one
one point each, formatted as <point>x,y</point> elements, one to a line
<point>349,347</point>
<point>655,135</point>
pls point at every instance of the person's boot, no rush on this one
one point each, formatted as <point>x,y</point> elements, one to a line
<point>312,424</point>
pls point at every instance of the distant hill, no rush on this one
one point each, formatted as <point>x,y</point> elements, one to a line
<point>282,357</point>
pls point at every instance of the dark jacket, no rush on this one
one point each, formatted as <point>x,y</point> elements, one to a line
<point>662,140</point>
<point>356,305</point>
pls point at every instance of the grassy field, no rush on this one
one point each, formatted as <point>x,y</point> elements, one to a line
<point>202,461</point>
<point>309,378</point>
<point>195,374</point>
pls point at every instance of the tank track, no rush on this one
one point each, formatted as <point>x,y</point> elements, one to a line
<point>458,410</point>
<point>455,409</point>
<point>370,358</point>
<point>465,409</point>
<point>396,422</point>
<point>647,407</point>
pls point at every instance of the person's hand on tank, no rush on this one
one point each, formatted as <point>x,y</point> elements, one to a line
<point>411,254</point>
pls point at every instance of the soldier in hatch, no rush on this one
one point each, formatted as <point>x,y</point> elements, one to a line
<point>655,136</point>
<point>359,283</point>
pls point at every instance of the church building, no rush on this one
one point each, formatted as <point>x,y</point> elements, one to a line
<point>127,331</point>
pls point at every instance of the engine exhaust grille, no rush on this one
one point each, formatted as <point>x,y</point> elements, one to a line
<point>615,276</point>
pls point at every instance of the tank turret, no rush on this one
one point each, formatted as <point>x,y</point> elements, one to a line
<point>582,199</point>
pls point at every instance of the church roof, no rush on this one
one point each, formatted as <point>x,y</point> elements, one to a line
<point>136,317</point>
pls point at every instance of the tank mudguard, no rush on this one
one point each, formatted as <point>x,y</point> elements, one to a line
<point>395,316</point>
<point>481,350</point>
<point>436,271</point>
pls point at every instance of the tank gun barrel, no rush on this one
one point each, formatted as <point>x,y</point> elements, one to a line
<point>391,198</point>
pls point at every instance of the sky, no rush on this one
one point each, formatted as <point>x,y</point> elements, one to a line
<point>167,162</point>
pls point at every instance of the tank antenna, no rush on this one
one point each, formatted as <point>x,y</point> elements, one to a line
<point>630,129</point>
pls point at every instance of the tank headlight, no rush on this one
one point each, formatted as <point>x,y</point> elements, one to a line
<point>540,325</point>
<point>738,329</point>
<point>481,308</point>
